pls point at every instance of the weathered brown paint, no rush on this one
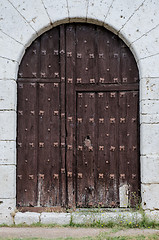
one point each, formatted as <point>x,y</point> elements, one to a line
<point>77,119</point>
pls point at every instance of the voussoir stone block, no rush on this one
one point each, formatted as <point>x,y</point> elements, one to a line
<point>142,21</point>
<point>149,106</point>
<point>7,125</point>
<point>26,218</point>
<point>150,199</point>
<point>35,14</point>
<point>150,169</point>
<point>13,24</point>
<point>7,181</point>
<point>97,10</point>
<point>55,218</point>
<point>57,10</point>
<point>7,152</point>
<point>149,88</point>
<point>77,9</point>
<point>120,12</point>
<point>9,94</point>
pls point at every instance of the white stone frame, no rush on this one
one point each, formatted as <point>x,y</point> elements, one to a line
<point>136,22</point>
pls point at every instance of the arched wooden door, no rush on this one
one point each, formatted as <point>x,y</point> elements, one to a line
<point>78,125</point>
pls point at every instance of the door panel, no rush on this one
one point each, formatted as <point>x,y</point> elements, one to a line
<point>78,131</point>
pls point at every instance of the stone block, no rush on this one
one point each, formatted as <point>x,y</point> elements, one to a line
<point>27,218</point>
<point>8,95</point>
<point>35,14</point>
<point>149,88</point>
<point>147,45</point>
<point>149,106</point>
<point>7,181</point>
<point>150,169</point>
<point>7,125</point>
<point>10,48</point>
<point>144,19</point>
<point>55,218</point>
<point>7,206</point>
<point>149,118</point>
<point>150,199</point>
<point>57,10</point>
<point>8,69</point>
<point>77,9</point>
<point>6,218</point>
<point>149,139</point>
<point>97,10</point>
<point>149,67</point>
<point>152,215</point>
<point>7,152</point>
<point>120,12</point>
<point>13,24</point>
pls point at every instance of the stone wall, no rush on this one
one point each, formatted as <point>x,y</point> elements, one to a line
<point>136,22</point>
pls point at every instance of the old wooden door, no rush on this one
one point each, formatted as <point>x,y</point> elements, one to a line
<point>78,133</point>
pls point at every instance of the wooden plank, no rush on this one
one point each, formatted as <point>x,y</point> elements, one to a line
<point>42,80</point>
<point>70,112</point>
<point>26,145</point>
<point>107,87</point>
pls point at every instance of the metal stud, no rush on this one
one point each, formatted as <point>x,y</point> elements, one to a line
<point>107,134</point>
<point>91,95</point>
<point>112,120</point>
<point>79,120</point>
<point>41,144</point>
<point>69,147</point>
<point>134,148</point>
<point>111,176</point>
<point>122,94</point>
<point>62,115</point>
<point>80,95</point>
<point>101,175</point>
<point>91,55</point>
<point>112,148</point>
<point>62,79</point>
<point>20,112</point>
<point>122,148</point>
<point>55,176</point>
<point>56,144</point>
<point>122,120</point>
<point>134,94</point>
<point>56,52</point>
<point>20,177</point>
<point>32,84</point>
<point>101,120</point>
<point>41,176</point>
<point>49,66</point>
<point>56,84</point>
<point>70,119</point>
<point>56,113</point>
<point>115,80</point>
<point>122,176</point>
<point>31,145</point>
<point>43,52</point>
<point>91,120</point>
<point>69,80</point>
<point>101,55</point>
<point>31,177</point>
<point>41,85</point>
<point>133,176</point>
<point>62,51</point>
<point>136,79</point>
<point>43,74</point>
<point>69,174</point>
<point>32,113</point>
<point>92,80</point>
<point>108,69</point>
<point>115,55</point>
<point>79,80</point>
<point>79,55</point>
<point>133,119</point>
<point>101,148</point>
<point>80,148</point>
<point>80,175</point>
<point>100,95</point>
<point>101,80</point>
<point>56,75</point>
<point>112,95</point>
<point>107,161</point>
<point>20,74</point>
<point>90,149</point>
<point>41,113</point>
<point>69,54</point>
<point>62,170</point>
<point>125,79</point>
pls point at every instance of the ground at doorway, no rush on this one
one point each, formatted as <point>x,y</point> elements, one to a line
<point>70,233</point>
